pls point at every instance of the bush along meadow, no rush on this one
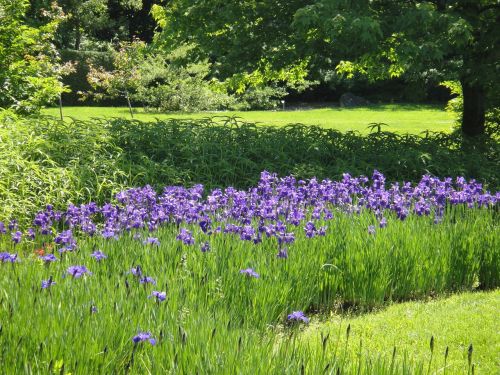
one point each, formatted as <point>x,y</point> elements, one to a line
<point>224,281</point>
<point>46,161</point>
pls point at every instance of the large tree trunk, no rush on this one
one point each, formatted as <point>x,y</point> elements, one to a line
<point>474,109</point>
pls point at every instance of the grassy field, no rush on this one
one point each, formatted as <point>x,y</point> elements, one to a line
<point>399,118</point>
<point>454,322</point>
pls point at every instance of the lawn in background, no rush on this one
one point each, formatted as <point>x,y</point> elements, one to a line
<point>401,118</point>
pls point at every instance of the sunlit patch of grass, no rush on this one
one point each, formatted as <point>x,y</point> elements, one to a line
<point>454,323</point>
<point>400,118</point>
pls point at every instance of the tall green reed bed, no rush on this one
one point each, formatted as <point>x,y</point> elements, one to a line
<point>234,303</point>
<point>44,160</point>
<point>216,319</point>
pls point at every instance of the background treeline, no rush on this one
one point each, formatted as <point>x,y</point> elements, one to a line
<point>92,29</point>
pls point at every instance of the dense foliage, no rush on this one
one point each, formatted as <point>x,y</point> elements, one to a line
<point>258,52</point>
<point>90,23</point>
<point>423,41</point>
<point>30,73</point>
<point>48,161</point>
<point>160,82</point>
<point>216,282</point>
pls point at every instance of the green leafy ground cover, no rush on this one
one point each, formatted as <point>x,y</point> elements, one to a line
<point>399,118</point>
<point>48,161</point>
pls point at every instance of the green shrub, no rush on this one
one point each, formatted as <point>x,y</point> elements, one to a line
<point>266,97</point>
<point>77,80</point>
<point>47,161</point>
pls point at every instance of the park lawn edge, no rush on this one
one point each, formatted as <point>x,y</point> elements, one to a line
<point>454,321</point>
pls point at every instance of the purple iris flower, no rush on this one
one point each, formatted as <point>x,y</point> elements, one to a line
<point>288,237</point>
<point>78,271</point>
<point>13,225</point>
<point>144,336</point>
<point>66,239</point>
<point>9,258</point>
<point>136,271</point>
<point>205,226</point>
<point>298,316</point>
<point>160,296</point>
<point>371,229</point>
<point>205,247</point>
<point>16,237</point>
<point>310,229</point>
<point>383,223</point>
<point>250,273</point>
<point>2,228</point>
<point>185,236</point>
<point>98,255</point>
<point>109,233</point>
<point>30,233</point>
<point>147,280</point>
<point>282,253</point>
<point>151,241</point>
<point>247,233</point>
<point>49,258</point>
<point>47,283</point>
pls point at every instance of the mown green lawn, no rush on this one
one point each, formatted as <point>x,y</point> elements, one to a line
<point>455,322</point>
<point>401,118</point>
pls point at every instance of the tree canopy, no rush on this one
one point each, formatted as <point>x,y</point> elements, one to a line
<point>260,48</point>
<point>416,40</point>
<point>440,40</point>
<point>30,74</point>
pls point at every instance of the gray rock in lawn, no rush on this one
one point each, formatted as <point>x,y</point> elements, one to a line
<point>350,100</point>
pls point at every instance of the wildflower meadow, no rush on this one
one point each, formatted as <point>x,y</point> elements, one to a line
<point>226,281</point>
<point>259,187</point>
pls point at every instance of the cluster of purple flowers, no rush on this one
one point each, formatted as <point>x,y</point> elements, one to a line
<point>137,272</point>
<point>98,255</point>
<point>151,241</point>
<point>250,273</point>
<point>144,336</point>
<point>276,208</point>
<point>66,240</point>
<point>298,316</point>
<point>9,258</point>
<point>78,271</point>
<point>49,258</point>
<point>159,296</point>
<point>186,237</point>
<point>47,283</point>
